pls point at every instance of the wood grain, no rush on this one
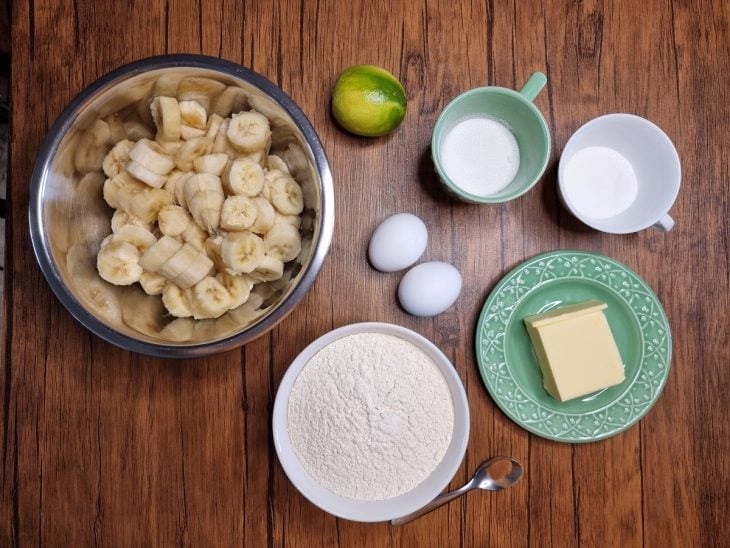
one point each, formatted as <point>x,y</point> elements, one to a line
<point>102,447</point>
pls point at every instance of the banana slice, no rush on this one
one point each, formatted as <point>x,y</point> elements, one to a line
<point>166,115</point>
<point>166,84</point>
<point>119,190</point>
<point>177,301</point>
<point>286,194</point>
<point>294,220</point>
<point>205,207</point>
<point>244,177</point>
<point>212,248</point>
<point>187,133</point>
<point>202,90</point>
<point>193,114</point>
<point>139,237</point>
<point>239,287</point>
<point>117,158</point>
<point>179,262</point>
<point>159,254</point>
<point>283,242</point>
<point>241,252</point>
<point>259,156</point>
<point>198,270</point>
<point>175,185</point>
<point>145,205</point>
<point>92,146</point>
<point>155,180</point>
<point>210,299</point>
<point>178,330</point>
<point>118,263</point>
<point>276,162</point>
<point>221,142</point>
<point>173,220</point>
<point>269,269</point>
<point>230,101</point>
<point>265,216</point>
<point>152,283</point>
<point>249,131</point>
<point>191,149</point>
<point>137,130</point>
<point>213,127</point>
<point>152,156</point>
<point>171,147</point>
<point>211,163</point>
<point>238,213</point>
<point>195,236</point>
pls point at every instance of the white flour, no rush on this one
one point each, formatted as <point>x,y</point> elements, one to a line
<point>480,155</point>
<point>370,416</point>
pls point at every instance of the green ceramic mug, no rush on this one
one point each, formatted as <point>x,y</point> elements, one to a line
<point>519,114</point>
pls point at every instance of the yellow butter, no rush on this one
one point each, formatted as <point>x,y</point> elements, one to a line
<point>575,349</point>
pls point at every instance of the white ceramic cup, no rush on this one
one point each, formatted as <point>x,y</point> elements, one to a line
<point>655,163</point>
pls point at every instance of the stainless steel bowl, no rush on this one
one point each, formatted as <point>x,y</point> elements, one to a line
<point>68,217</point>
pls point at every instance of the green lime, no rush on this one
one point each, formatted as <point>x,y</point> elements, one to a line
<point>368,100</point>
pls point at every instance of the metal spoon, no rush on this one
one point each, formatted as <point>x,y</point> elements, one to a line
<point>496,474</point>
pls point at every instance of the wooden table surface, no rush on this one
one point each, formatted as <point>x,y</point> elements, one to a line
<point>104,447</point>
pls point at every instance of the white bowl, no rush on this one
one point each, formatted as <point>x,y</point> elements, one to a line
<point>381,510</point>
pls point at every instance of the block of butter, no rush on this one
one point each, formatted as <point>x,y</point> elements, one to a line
<point>575,349</point>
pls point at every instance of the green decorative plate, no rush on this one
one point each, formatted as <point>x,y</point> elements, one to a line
<point>509,367</point>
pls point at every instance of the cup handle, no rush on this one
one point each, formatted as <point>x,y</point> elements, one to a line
<point>533,86</point>
<point>665,224</point>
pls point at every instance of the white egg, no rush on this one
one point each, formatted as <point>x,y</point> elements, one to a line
<point>398,242</point>
<point>429,288</point>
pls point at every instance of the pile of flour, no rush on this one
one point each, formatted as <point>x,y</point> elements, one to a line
<point>370,416</point>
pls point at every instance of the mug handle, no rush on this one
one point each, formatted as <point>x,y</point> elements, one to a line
<point>664,224</point>
<point>533,86</point>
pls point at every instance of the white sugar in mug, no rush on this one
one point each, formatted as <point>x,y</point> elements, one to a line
<point>655,163</point>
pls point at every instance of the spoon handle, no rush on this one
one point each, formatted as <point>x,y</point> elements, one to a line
<point>435,503</point>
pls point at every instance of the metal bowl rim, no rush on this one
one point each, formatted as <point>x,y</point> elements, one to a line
<point>57,132</point>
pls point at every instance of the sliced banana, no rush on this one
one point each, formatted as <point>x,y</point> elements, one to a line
<point>276,162</point>
<point>265,216</point>
<point>143,174</point>
<point>173,220</point>
<point>115,160</point>
<point>212,248</point>
<point>152,283</point>
<point>230,101</point>
<point>210,299</point>
<point>211,163</point>
<point>152,156</point>
<point>244,177</point>
<point>269,269</point>
<point>249,131</point>
<point>179,262</point>
<point>294,220</point>
<point>283,242</point>
<point>259,156</point>
<point>286,194</point>
<point>166,115</point>
<point>166,84</point>
<point>213,127</point>
<point>241,252</point>
<point>175,185</point>
<point>118,263</point>
<point>195,236</point>
<point>139,237</point>
<point>193,114</point>
<point>238,213</point>
<point>198,269</point>
<point>191,149</point>
<point>145,205</point>
<point>171,147</point>
<point>221,142</point>
<point>177,301</point>
<point>187,133</point>
<point>92,146</point>
<point>159,253</point>
<point>239,287</point>
<point>121,218</point>
<point>119,190</point>
<point>205,207</point>
<point>202,90</point>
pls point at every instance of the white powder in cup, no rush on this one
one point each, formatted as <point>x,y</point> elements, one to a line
<point>599,182</point>
<point>480,156</point>
<point>370,416</point>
